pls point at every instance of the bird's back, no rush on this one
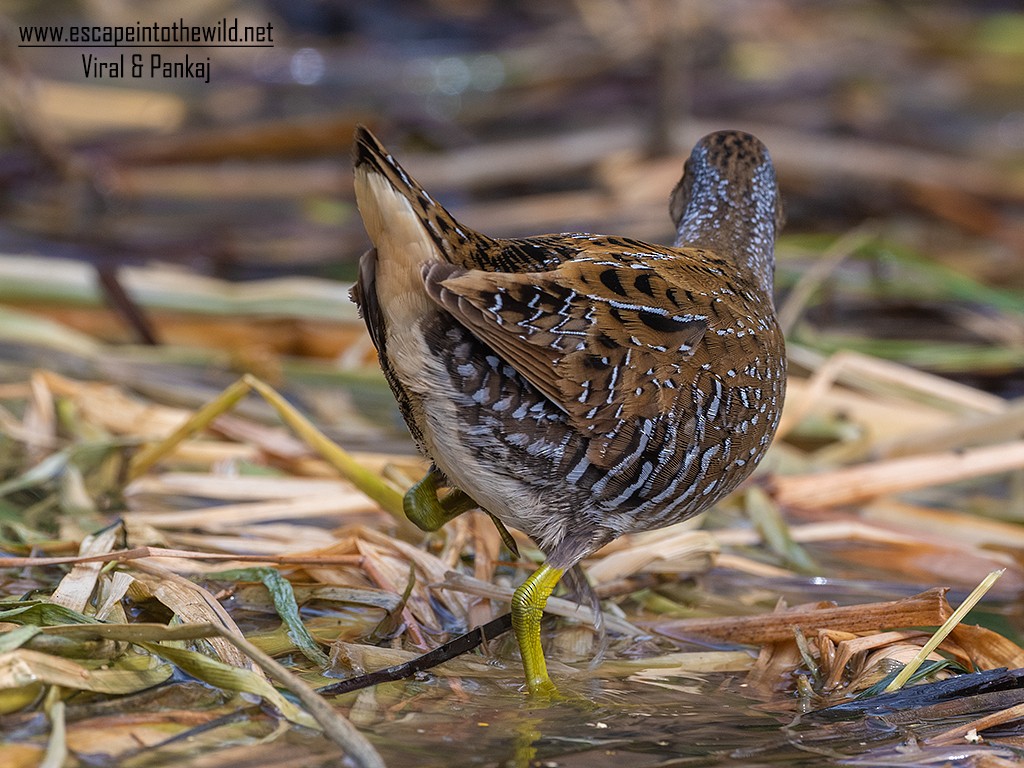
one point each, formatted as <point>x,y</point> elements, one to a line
<point>575,381</point>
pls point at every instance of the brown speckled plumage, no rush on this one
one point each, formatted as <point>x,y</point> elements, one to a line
<point>578,386</point>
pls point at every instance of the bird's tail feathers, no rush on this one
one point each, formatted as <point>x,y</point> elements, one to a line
<point>387,193</point>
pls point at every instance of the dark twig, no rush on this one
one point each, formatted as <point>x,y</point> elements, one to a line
<point>125,306</point>
<point>460,645</point>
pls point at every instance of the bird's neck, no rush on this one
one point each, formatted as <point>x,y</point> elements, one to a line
<point>739,227</point>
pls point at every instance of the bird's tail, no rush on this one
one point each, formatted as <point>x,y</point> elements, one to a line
<point>396,210</point>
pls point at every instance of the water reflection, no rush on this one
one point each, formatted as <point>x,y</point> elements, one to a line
<point>605,723</point>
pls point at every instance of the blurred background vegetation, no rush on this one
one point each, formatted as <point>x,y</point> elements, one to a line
<point>897,128</point>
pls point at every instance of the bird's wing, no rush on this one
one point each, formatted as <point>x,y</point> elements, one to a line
<point>601,340</point>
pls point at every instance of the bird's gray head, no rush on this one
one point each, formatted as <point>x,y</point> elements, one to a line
<point>728,201</point>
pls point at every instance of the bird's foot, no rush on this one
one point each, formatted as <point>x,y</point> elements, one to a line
<point>543,691</point>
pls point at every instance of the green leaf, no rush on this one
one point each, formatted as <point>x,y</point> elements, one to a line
<point>227,677</point>
<point>41,614</point>
<point>287,608</point>
<point>765,516</point>
<point>17,637</point>
<point>25,667</point>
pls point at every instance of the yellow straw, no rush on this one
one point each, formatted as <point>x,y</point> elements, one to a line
<point>950,624</point>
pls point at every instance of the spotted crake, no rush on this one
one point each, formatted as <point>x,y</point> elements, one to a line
<point>578,387</point>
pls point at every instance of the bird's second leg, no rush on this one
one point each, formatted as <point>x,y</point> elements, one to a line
<point>427,510</point>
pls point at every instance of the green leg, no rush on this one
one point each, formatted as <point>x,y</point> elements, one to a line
<point>429,513</point>
<point>527,608</point>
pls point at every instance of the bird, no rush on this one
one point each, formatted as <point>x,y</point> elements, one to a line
<point>577,387</point>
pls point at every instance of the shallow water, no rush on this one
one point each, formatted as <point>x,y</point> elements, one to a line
<point>702,723</point>
<point>712,721</point>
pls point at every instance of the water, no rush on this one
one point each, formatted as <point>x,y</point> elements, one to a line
<point>694,722</point>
